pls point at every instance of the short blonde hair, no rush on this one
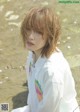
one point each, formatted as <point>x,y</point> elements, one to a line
<point>45,22</point>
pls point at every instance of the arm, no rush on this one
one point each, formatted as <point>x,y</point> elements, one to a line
<point>27,72</point>
<point>52,93</point>
<point>28,103</point>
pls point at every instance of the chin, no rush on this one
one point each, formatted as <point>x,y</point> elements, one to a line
<point>30,49</point>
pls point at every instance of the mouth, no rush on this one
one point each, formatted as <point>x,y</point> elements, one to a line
<point>30,43</point>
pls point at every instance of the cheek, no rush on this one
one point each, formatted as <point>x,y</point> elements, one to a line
<point>40,43</point>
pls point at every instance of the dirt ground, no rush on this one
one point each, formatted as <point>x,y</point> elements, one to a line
<point>13,86</point>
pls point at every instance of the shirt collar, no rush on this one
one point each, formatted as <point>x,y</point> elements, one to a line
<point>40,61</point>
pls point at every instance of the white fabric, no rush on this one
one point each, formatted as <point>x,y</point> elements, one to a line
<point>54,79</point>
<point>21,109</point>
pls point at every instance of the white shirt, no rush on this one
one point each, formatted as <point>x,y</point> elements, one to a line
<point>51,85</point>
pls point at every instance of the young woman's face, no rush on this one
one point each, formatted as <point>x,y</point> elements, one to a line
<point>35,41</point>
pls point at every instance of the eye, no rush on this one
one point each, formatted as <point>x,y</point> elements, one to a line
<point>39,32</point>
<point>28,29</point>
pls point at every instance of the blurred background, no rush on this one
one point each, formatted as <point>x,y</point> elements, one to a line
<point>13,89</point>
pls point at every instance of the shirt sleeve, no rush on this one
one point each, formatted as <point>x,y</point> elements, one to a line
<point>27,72</point>
<point>28,60</point>
<point>52,92</point>
<point>28,99</point>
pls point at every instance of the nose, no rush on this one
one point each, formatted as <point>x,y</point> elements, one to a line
<point>31,36</point>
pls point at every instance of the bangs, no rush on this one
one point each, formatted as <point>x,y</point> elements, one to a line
<point>35,20</point>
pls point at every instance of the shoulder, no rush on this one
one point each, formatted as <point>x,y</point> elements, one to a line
<point>28,60</point>
<point>58,61</point>
<point>56,67</point>
<point>29,57</point>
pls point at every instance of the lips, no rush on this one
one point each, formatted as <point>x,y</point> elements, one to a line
<point>30,43</point>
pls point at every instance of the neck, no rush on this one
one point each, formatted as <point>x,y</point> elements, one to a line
<point>36,55</point>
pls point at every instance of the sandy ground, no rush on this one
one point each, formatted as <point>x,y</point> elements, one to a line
<point>13,86</point>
